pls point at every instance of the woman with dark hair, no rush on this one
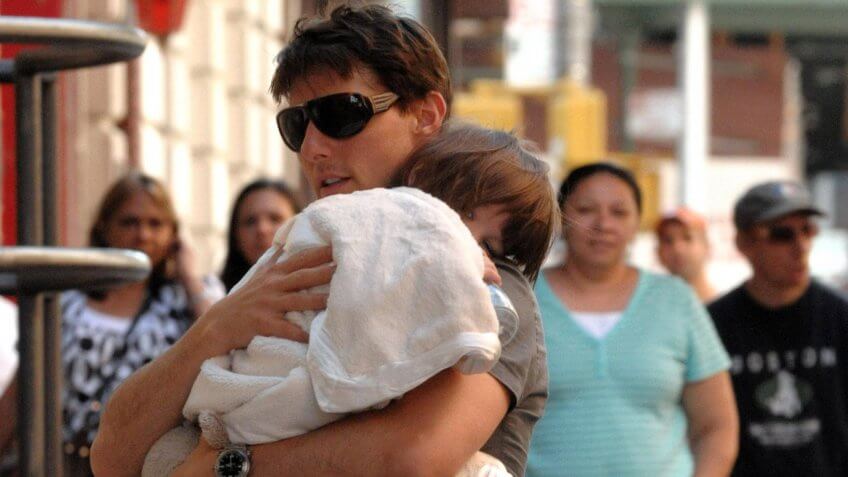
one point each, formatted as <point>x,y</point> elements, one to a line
<point>260,208</point>
<point>108,335</point>
<point>638,376</point>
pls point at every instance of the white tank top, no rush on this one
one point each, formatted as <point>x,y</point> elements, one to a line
<point>597,324</point>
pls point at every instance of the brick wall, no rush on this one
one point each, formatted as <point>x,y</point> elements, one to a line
<point>747,82</point>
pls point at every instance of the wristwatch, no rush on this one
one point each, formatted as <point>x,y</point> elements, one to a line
<point>233,461</point>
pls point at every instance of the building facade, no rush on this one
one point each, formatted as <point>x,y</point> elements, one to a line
<point>193,111</point>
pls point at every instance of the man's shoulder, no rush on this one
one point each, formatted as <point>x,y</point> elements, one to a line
<point>830,298</point>
<point>725,306</point>
<point>729,299</point>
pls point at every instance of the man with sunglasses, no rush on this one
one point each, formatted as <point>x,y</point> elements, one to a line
<point>788,338</point>
<point>365,89</point>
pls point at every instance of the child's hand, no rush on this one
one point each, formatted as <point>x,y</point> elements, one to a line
<point>490,271</point>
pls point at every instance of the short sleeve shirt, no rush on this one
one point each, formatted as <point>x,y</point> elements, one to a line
<point>99,350</point>
<point>523,371</point>
<point>615,402</point>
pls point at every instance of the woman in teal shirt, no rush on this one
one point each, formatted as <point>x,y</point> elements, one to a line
<point>638,376</point>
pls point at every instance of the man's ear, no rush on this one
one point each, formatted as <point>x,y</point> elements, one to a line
<point>743,242</point>
<point>430,113</point>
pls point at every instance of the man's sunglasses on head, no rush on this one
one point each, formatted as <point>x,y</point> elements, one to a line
<point>784,234</point>
<point>338,116</point>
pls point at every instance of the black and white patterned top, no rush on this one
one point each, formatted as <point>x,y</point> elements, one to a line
<point>99,350</point>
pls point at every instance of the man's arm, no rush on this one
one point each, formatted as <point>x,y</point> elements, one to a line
<point>150,402</point>
<point>432,430</point>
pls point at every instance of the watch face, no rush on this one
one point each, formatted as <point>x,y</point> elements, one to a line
<point>231,463</point>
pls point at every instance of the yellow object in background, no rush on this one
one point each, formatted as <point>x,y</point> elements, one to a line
<point>577,124</point>
<point>489,103</point>
<point>646,171</point>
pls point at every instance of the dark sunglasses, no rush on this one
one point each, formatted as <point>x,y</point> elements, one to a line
<point>783,234</point>
<point>338,116</point>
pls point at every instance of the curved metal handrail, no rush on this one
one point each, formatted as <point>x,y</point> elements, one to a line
<point>70,44</point>
<point>39,269</point>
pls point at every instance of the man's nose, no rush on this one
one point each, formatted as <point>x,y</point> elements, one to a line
<point>315,145</point>
<point>679,247</point>
<point>802,243</point>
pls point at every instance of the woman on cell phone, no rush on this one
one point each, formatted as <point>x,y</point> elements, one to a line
<point>108,335</point>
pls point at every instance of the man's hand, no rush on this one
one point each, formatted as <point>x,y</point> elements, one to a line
<point>259,307</point>
<point>150,401</point>
<point>200,462</point>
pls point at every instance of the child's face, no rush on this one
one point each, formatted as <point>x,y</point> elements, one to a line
<point>486,224</point>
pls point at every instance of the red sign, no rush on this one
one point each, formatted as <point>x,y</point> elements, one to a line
<point>160,17</point>
<point>28,8</point>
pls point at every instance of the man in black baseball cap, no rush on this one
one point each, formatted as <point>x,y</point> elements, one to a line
<point>770,201</point>
<point>787,336</point>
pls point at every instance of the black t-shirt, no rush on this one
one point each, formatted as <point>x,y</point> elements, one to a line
<point>790,377</point>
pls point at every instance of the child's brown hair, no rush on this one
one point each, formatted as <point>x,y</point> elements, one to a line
<point>469,166</point>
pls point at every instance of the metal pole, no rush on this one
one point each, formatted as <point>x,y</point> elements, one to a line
<point>133,119</point>
<point>694,66</point>
<point>28,138</point>
<point>48,159</point>
<point>30,316</point>
<point>575,37</point>
<point>628,58</point>
<point>52,318</point>
<point>30,377</point>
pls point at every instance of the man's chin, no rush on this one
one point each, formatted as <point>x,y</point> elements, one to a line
<point>797,278</point>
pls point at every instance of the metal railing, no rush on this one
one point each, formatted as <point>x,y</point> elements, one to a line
<point>37,267</point>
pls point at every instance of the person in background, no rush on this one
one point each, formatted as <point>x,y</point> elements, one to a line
<point>787,335</point>
<point>638,376</point>
<point>8,367</point>
<point>108,335</point>
<point>259,210</point>
<point>8,342</point>
<point>683,249</point>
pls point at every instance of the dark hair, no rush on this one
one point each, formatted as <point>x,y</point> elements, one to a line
<point>236,265</point>
<point>117,195</point>
<point>399,51</point>
<point>578,175</point>
<point>469,166</point>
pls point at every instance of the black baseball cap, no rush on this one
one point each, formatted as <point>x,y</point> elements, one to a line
<point>772,200</point>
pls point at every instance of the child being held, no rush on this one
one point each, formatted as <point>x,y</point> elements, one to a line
<point>406,300</point>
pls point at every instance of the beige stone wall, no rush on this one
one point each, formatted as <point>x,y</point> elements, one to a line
<point>207,121</point>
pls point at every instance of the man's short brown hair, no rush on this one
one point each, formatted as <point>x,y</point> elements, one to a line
<point>399,51</point>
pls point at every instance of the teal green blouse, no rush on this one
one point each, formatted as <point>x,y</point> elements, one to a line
<point>614,407</point>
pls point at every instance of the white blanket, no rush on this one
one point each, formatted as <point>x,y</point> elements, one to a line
<point>406,301</point>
